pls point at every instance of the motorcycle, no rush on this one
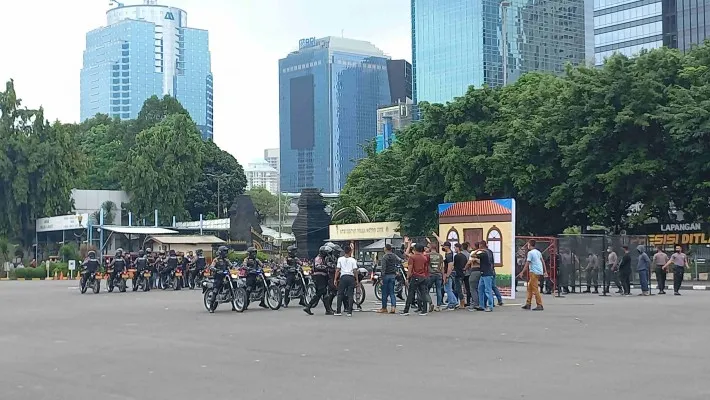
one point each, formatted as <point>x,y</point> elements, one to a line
<point>142,280</point>
<point>303,287</point>
<point>362,274</point>
<point>229,292</point>
<point>195,277</point>
<point>400,283</point>
<point>268,288</point>
<point>171,280</point>
<point>118,281</point>
<point>90,280</point>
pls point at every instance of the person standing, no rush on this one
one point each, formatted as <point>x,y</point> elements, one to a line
<point>611,261</point>
<point>473,267</point>
<point>346,280</point>
<point>535,265</point>
<point>458,273</point>
<point>389,278</point>
<point>660,259</point>
<point>679,260</point>
<point>450,273</point>
<point>418,275</point>
<point>435,274</point>
<point>491,257</point>
<point>643,266</point>
<point>485,283</point>
<point>592,273</point>
<point>320,279</point>
<point>625,271</point>
<point>465,279</point>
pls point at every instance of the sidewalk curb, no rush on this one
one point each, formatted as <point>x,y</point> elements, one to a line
<point>668,287</point>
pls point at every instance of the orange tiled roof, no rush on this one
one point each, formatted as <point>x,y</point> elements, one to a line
<point>479,207</point>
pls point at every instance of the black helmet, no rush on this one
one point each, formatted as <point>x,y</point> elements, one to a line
<point>199,252</point>
<point>141,253</point>
<point>337,250</point>
<point>251,251</point>
<point>223,251</point>
<point>330,244</point>
<point>119,252</point>
<point>172,253</point>
<point>92,254</point>
<point>292,250</point>
<point>161,252</point>
<point>148,250</point>
<point>325,250</point>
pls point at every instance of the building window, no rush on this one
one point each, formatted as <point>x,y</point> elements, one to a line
<point>452,237</point>
<point>495,243</point>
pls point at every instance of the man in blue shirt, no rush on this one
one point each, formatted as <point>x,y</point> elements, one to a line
<point>536,265</point>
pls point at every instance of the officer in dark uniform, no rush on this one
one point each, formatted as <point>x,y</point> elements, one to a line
<point>221,265</point>
<point>141,265</point>
<point>253,265</point>
<point>331,264</point>
<point>118,264</point>
<point>200,264</point>
<point>187,261</point>
<point>171,264</point>
<point>320,279</point>
<point>292,266</point>
<point>91,265</point>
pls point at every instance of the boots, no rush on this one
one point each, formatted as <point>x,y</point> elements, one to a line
<point>596,289</point>
<point>589,290</point>
<point>393,310</point>
<point>462,303</point>
<point>382,311</point>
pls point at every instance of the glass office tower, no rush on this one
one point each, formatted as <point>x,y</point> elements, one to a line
<point>147,50</point>
<point>458,43</point>
<point>329,92</point>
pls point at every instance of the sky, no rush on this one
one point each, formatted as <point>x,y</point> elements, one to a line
<point>43,42</point>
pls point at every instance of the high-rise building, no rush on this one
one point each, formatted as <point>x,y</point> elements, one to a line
<point>272,157</point>
<point>260,174</point>
<point>391,119</point>
<point>329,92</point>
<point>147,50</point>
<point>627,27</point>
<point>459,43</point>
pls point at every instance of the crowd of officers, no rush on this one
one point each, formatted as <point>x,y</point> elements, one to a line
<point>161,264</point>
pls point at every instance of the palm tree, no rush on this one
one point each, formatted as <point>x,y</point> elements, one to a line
<point>5,249</point>
<point>109,208</point>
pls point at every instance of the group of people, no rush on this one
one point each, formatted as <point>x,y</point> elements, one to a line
<point>335,275</point>
<point>161,264</point>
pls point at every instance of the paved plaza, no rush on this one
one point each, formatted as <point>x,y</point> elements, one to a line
<point>57,344</point>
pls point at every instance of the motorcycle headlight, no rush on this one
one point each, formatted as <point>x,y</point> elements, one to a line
<point>267,274</point>
<point>235,276</point>
<point>306,273</point>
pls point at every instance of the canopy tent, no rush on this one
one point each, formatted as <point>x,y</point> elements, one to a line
<point>380,244</point>
<point>137,230</point>
<point>274,234</point>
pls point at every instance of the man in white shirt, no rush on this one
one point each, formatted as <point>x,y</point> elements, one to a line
<point>345,281</point>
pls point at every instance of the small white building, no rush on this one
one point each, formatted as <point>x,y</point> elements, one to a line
<point>260,174</point>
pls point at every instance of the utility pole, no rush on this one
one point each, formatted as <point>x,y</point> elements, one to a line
<point>219,200</point>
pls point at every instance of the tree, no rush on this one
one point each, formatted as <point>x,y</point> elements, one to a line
<point>39,166</point>
<point>266,204</point>
<point>165,161</point>
<point>155,110</point>
<point>217,165</point>
<point>109,208</point>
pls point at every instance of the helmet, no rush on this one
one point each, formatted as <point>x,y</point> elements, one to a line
<point>92,254</point>
<point>325,250</point>
<point>141,253</point>
<point>292,250</point>
<point>337,250</point>
<point>199,252</point>
<point>251,252</point>
<point>223,251</point>
<point>119,252</point>
<point>330,244</point>
<point>172,253</point>
<point>161,252</point>
<point>148,250</point>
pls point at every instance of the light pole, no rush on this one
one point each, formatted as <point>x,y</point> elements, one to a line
<point>504,32</point>
<point>219,178</point>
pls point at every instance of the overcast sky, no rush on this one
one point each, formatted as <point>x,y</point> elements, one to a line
<point>43,40</point>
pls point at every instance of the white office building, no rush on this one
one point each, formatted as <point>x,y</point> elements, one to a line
<point>260,174</point>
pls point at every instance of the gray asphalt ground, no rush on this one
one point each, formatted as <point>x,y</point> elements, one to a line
<point>57,344</point>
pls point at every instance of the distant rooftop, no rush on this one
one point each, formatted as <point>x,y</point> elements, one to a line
<point>335,43</point>
<point>259,165</point>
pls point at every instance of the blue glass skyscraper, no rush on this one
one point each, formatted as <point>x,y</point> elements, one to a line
<point>147,50</point>
<point>459,43</point>
<point>329,92</point>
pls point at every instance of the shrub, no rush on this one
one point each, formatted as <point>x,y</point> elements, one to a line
<point>241,255</point>
<point>69,251</point>
<point>503,280</point>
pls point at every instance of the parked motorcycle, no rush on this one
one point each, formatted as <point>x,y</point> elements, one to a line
<point>90,280</point>
<point>400,283</point>
<point>362,273</point>
<point>229,292</point>
<point>303,287</point>
<point>268,288</point>
<point>172,280</point>
<point>118,281</point>
<point>195,277</point>
<point>142,280</point>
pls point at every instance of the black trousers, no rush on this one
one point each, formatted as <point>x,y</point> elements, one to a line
<point>290,284</point>
<point>625,276</point>
<point>321,282</point>
<point>419,286</point>
<point>661,278</point>
<point>678,273</point>
<point>467,285</point>
<point>346,290</point>
<point>251,286</point>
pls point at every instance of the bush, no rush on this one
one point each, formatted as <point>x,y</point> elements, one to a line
<point>503,280</point>
<point>241,255</point>
<point>29,273</point>
<point>69,251</point>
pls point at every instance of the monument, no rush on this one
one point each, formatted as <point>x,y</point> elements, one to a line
<point>244,228</point>
<point>311,224</point>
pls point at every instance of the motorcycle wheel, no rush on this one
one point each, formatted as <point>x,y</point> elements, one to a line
<point>176,283</point>
<point>378,290</point>
<point>83,288</point>
<point>109,285</point>
<point>97,286</point>
<point>163,283</point>
<point>207,299</point>
<point>122,286</point>
<point>310,292</point>
<point>191,283</point>
<point>239,302</point>
<point>273,297</point>
<point>146,285</point>
<point>359,294</point>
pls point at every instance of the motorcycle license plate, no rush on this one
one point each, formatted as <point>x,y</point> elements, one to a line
<point>146,274</point>
<point>124,276</point>
<point>206,273</point>
<point>178,274</point>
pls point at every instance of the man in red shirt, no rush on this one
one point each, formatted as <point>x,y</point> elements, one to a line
<point>418,276</point>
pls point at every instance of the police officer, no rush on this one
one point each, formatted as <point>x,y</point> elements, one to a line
<point>221,266</point>
<point>119,266</point>
<point>141,265</point>
<point>292,266</point>
<point>320,279</point>
<point>170,265</point>
<point>252,265</point>
<point>200,263</point>
<point>187,261</point>
<point>331,264</point>
<point>90,265</point>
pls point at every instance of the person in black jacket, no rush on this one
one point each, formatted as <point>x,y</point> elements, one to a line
<point>625,271</point>
<point>221,265</point>
<point>253,265</point>
<point>141,264</point>
<point>90,265</point>
<point>320,278</point>
<point>291,270</point>
<point>119,266</point>
<point>389,262</point>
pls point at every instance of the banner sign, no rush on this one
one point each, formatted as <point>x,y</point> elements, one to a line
<point>367,231</point>
<point>62,223</point>
<point>684,233</point>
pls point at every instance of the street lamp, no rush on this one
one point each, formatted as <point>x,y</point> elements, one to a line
<point>219,178</point>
